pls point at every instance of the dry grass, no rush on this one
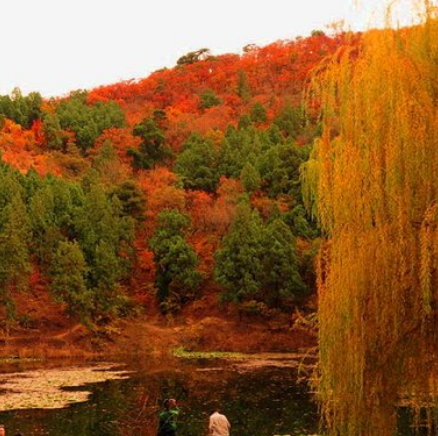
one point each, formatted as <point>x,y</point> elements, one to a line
<point>213,334</point>
<point>43,351</point>
<point>144,337</point>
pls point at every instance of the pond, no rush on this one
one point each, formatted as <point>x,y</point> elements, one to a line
<point>262,400</point>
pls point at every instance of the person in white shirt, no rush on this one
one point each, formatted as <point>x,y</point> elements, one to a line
<point>218,424</point>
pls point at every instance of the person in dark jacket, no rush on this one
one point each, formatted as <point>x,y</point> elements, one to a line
<point>167,419</point>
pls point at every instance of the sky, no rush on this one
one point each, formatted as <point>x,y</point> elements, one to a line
<point>56,46</point>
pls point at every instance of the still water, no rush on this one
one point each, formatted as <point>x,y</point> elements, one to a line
<point>258,400</point>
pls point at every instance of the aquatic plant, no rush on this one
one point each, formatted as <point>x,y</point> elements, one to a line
<point>181,352</point>
<point>45,388</point>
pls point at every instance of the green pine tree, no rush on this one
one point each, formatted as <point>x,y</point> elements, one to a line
<point>250,178</point>
<point>238,261</point>
<point>14,255</point>
<point>176,276</point>
<point>68,280</point>
<point>198,164</point>
<point>152,148</point>
<point>280,265</point>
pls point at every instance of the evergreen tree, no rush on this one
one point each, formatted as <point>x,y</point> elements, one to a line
<point>10,185</point>
<point>258,113</point>
<point>275,136</point>
<point>23,110</point>
<point>152,148</point>
<point>53,132</point>
<point>68,200</point>
<point>197,164</point>
<point>244,122</point>
<point>68,279</point>
<point>238,148</point>
<point>193,56</point>
<point>104,233</point>
<point>208,99</point>
<point>87,121</point>
<point>238,262</point>
<point>31,183</point>
<point>280,266</point>
<point>14,254</point>
<point>243,88</point>
<point>131,198</point>
<point>299,223</point>
<point>176,276</point>
<point>34,102</point>
<point>106,272</point>
<point>279,168</point>
<point>290,120</point>
<point>250,178</point>
<point>46,234</point>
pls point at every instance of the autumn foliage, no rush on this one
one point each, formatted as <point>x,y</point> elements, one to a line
<point>202,140</point>
<point>372,182</point>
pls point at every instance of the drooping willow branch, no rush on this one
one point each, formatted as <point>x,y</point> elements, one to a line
<point>372,181</point>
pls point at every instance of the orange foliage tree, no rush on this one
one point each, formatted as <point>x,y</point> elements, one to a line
<point>372,180</point>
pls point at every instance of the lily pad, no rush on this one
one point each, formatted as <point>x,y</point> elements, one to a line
<point>45,388</point>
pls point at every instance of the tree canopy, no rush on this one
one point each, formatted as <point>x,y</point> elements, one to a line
<point>373,185</point>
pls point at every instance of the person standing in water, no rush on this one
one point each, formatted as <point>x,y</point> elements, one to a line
<point>167,419</point>
<point>218,424</point>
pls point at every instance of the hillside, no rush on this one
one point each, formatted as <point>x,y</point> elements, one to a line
<point>173,197</point>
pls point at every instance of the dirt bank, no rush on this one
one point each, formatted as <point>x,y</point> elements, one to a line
<point>144,335</point>
<point>45,330</point>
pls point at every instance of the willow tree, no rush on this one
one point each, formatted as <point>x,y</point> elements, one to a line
<point>373,183</point>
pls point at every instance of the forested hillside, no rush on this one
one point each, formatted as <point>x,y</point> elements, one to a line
<point>153,194</point>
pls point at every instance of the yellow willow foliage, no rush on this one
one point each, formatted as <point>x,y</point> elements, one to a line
<point>372,181</point>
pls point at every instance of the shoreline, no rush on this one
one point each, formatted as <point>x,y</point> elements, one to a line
<point>155,338</point>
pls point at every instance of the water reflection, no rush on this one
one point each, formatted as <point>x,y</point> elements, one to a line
<point>261,401</point>
<point>418,422</point>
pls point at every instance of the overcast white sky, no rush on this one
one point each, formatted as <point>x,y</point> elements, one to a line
<point>55,46</point>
